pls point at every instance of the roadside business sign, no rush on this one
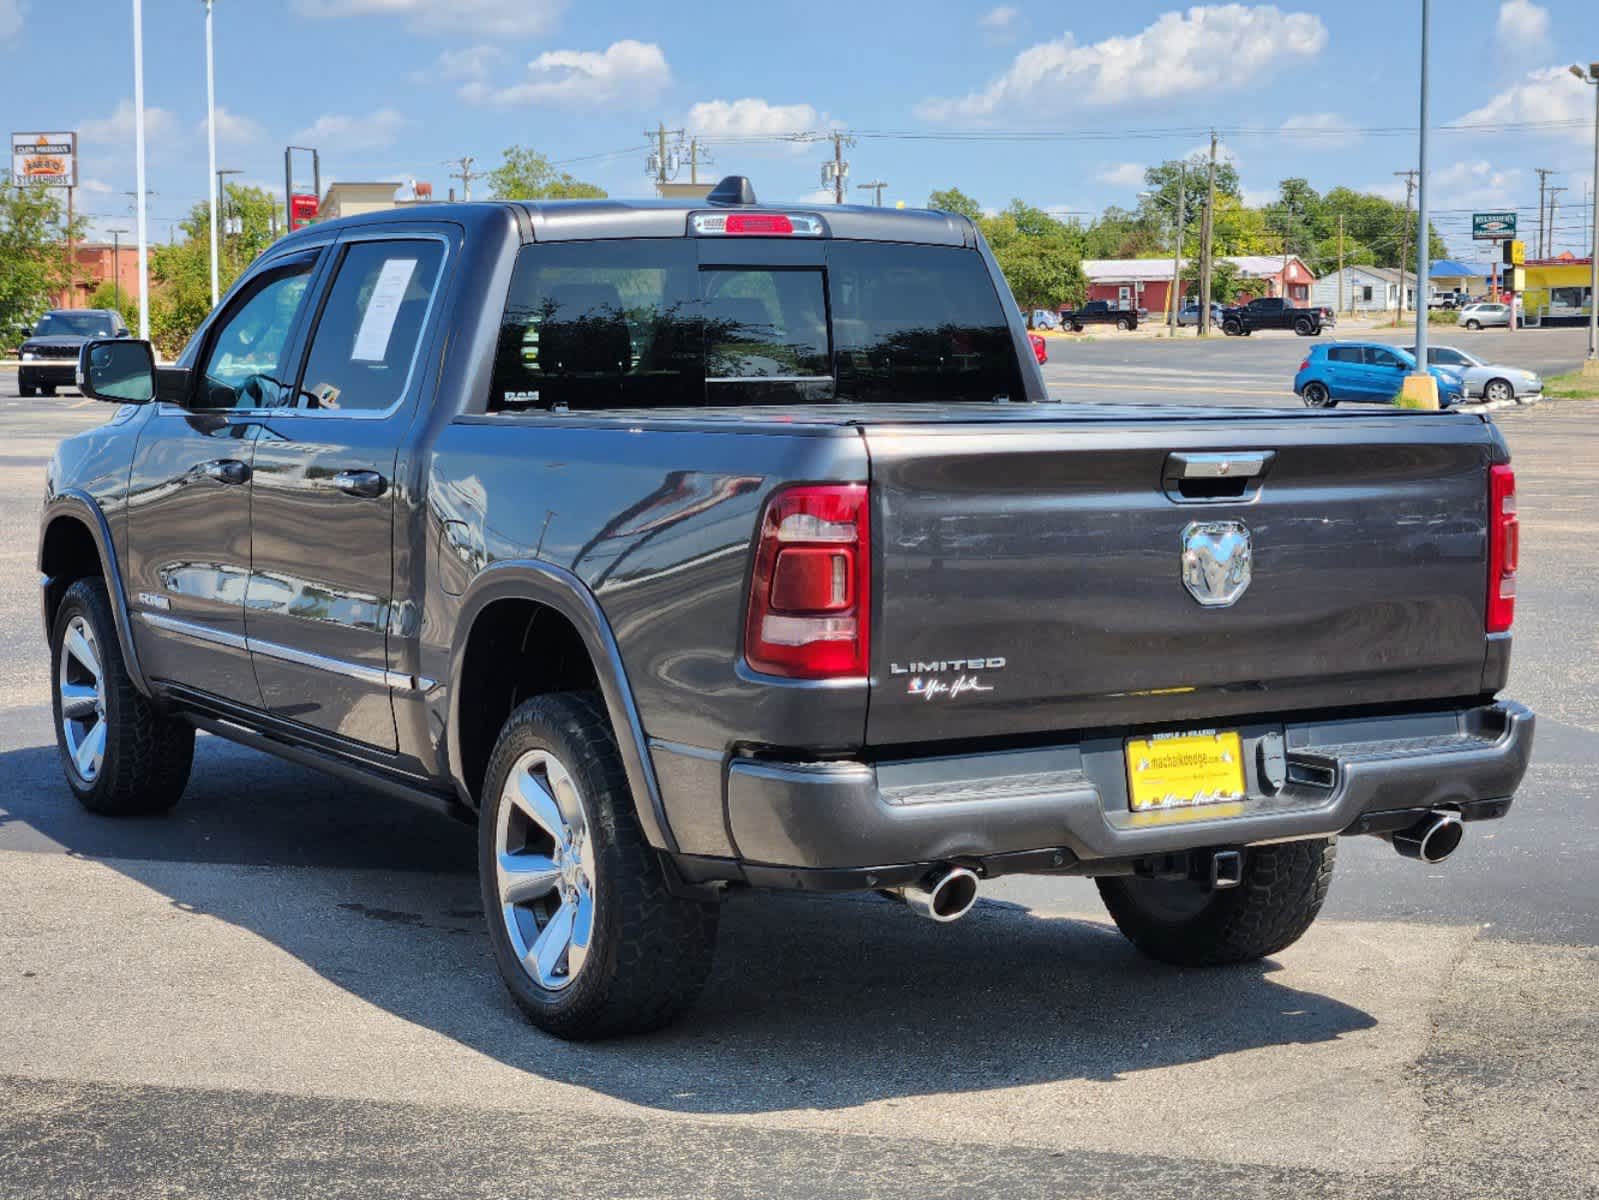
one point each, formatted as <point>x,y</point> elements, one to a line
<point>1493,226</point>
<point>302,210</point>
<point>1515,253</point>
<point>47,158</point>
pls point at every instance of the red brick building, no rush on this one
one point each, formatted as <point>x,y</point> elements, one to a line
<point>93,265</point>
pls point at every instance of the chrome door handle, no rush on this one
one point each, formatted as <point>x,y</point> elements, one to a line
<point>226,470</point>
<point>368,485</point>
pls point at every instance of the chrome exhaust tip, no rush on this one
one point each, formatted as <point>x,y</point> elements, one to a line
<point>942,897</point>
<point>1432,839</point>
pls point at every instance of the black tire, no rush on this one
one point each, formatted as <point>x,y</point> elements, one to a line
<point>650,950</point>
<point>1077,326</point>
<point>47,389</point>
<point>1316,395</point>
<point>147,756</point>
<point>1303,327</point>
<point>1231,328</point>
<point>1121,323</point>
<point>1188,925</point>
<point>1474,325</point>
<point>27,389</point>
<point>1497,390</point>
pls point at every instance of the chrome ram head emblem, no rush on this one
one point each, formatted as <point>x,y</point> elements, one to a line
<point>1217,561</point>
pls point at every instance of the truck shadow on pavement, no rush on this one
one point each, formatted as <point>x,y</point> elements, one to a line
<point>814,1003</point>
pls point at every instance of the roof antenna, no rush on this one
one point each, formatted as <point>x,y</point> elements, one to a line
<point>734,189</point>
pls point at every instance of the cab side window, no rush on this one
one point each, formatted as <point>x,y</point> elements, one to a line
<point>244,365</point>
<point>370,327</point>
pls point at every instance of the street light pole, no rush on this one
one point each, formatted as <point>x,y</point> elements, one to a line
<point>1591,366</point>
<point>116,264</point>
<point>211,140</point>
<point>138,168</point>
<point>1420,389</point>
<point>221,194</point>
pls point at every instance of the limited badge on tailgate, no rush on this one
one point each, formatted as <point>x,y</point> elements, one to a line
<point>1179,770</point>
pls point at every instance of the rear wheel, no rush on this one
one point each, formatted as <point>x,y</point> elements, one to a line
<point>1474,324</point>
<point>1121,323</point>
<point>1189,924</point>
<point>1077,326</point>
<point>27,389</point>
<point>1498,391</point>
<point>1316,395</point>
<point>1303,327</point>
<point>122,757</point>
<point>589,938</point>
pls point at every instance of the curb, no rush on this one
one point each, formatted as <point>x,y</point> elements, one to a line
<point>1496,405</point>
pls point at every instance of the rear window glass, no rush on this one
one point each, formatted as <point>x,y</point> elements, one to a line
<point>1344,354</point>
<point>641,324</point>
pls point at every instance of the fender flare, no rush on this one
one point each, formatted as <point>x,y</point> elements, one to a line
<point>76,505</point>
<point>557,588</point>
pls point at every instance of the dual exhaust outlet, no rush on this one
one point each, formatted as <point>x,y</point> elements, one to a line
<point>948,894</point>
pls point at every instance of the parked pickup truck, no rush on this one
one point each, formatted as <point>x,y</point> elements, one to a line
<point>1098,312</point>
<point>694,547</point>
<point>1274,312</point>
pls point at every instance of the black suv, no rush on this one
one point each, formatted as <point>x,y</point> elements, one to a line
<point>50,352</point>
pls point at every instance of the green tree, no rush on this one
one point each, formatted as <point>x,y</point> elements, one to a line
<point>953,200</point>
<point>1119,233</point>
<point>1040,256</point>
<point>32,253</point>
<point>181,273</point>
<point>528,175</point>
<point>109,296</point>
<point>1225,284</point>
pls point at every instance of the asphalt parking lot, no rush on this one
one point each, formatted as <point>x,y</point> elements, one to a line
<point>282,988</point>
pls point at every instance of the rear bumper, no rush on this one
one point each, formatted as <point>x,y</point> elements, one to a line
<point>1065,808</point>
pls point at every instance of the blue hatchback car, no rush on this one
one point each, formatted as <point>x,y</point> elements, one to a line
<point>1368,372</point>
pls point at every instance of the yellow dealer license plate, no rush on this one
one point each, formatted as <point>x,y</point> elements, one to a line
<point>1181,770</point>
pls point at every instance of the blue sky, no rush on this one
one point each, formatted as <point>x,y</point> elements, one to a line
<point>390,89</point>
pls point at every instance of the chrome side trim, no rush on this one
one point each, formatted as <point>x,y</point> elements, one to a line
<point>376,676</point>
<point>200,633</point>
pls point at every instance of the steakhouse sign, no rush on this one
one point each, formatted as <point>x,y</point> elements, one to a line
<point>47,158</point>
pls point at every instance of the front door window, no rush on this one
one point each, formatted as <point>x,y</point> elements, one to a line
<point>244,364</point>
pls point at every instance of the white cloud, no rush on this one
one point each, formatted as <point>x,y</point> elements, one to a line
<point>1522,24</point>
<point>232,129</point>
<point>1257,197</point>
<point>752,117</point>
<point>484,17</point>
<point>13,14</point>
<point>117,129</point>
<point>1122,174</point>
<point>98,187</point>
<point>817,196</point>
<point>1000,22</point>
<point>1474,183</point>
<point>1206,49</point>
<point>1549,94</point>
<point>339,131</point>
<point>469,62</point>
<point>626,72</point>
<point>1323,130</point>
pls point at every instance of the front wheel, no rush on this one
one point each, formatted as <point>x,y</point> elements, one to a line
<point>1316,395</point>
<point>1123,325</point>
<point>1474,325</point>
<point>1189,924</point>
<point>588,936</point>
<point>122,757</point>
<point>1231,328</point>
<point>27,389</point>
<point>1498,391</point>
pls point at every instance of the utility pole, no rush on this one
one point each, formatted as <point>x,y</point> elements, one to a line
<point>466,174</point>
<point>1177,251</point>
<point>836,171</point>
<point>1423,224</point>
<point>1590,367</point>
<point>1549,242</point>
<point>1341,269</point>
<point>1206,236</point>
<point>1543,178</point>
<point>661,163</point>
<point>1404,242</point>
<point>211,145</point>
<point>694,159</point>
<point>876,187</point>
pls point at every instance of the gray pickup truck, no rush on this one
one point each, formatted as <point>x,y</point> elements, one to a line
<point>692,548</point>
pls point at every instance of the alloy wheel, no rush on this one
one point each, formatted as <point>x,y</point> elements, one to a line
<point>81,684</point>
<point>545,870</point>
<point>1498,390</point>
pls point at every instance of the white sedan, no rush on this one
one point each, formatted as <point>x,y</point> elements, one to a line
<point>1483,380</point>
<point>1483,316</point>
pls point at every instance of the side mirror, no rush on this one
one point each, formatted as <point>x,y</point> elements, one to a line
<point>117,370</point>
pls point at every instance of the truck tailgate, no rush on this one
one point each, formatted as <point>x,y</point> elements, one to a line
<point>1031,575</point>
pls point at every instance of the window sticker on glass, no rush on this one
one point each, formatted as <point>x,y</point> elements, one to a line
<point>377,323</point>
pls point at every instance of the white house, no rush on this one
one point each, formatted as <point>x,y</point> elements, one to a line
<point>1365,289</point>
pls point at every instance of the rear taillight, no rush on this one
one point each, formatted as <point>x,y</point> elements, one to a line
<point>1305,366</point>
<point>1504,548</point>
<point>810,594</point>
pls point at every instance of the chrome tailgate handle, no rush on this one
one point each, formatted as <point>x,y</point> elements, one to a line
<point>1214,477</point>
